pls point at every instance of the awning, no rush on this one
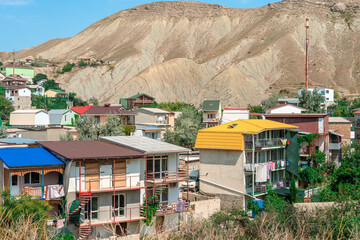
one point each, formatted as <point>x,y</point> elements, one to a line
<point>335,133</point>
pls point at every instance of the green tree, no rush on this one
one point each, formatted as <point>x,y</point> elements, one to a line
<point>5,108</point>
<point>66,137</point>
<point>68,67</point>
<point>186,128</point>
<point>94,101</point>
<point>82,63</point>
<point>112,126</point>
<point>312,101</point>
<point>76,101</point>
<point>50,84</point>
<point>3,132</point>
<point>293,190</point>
<point>272,101</point>
<point>256,109</point>
<point>1,63</point>
<point>2,90</point>
<point>38,77</point>
<point>175,106</point>
<point>87,128</point>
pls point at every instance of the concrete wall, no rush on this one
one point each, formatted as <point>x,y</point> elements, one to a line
<point>41,119</point>
<point>19,119</point>
<point>145,117</point>
<point>109,230</point>
<point>22,103</point>
<point>205,208</point>
<point>223,167</point>
<point>344,129</point>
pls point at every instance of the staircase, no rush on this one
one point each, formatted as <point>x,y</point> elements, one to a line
<point>84,198</point>
<point>84,231</point>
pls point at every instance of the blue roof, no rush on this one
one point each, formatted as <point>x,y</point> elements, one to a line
<point>148,127</point>
<point>18,140</point>
<point>27,157</point>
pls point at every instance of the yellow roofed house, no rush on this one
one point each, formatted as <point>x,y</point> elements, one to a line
<point>239,157</point>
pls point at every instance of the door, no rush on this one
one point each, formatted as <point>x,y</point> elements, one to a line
<point>119,204</point>
<point>106,176</point>
<point>92,176</point>
<point>92,209</point>
<point>15,185</point>
<point>120,173</point>
<point>157,166</point>
<point>121,229</point>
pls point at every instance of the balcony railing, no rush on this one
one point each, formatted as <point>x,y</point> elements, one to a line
<point>168,176</point>
<point>118,182</point>
<point>168,208</point>
<point>49,192</point>
<point>210,120</point>
<point>249,167</point>
<point>33,191</point>
<point>142,101</point>
<point>264,143</point>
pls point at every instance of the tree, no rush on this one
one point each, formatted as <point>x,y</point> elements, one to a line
<point>256,109</point>
<point>2,90</point>
<point>50,84</point>
<point>312,101</point>
<point>112,126</point>
<point>66,137</point>
<point>87,128</point>
<point>68,67</point>
<point>82,63</point>
<point>94,101</point>
<point>1,63</point>
<point>175,106</point>
<point>3,132</point>
<point>5,108</point>
<point>76,101</point>
<point>293,190</point>
<point>38,77</point>
<point>272,100</point>
<point>186,128</point>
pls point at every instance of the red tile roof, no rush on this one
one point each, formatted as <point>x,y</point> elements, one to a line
<point>90,150</point>
<point>108,110</point>
<point>357,112</point>
<point>80,110</point>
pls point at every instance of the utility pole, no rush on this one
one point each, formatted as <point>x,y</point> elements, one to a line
<point>14,62</point>
<point>307,26</point>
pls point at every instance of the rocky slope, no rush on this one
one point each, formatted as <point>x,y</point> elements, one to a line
<point>188,51</point>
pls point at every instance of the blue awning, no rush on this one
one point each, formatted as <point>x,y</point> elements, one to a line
<point>28,157</point>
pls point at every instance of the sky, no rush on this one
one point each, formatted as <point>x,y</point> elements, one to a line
<point>27,23</point>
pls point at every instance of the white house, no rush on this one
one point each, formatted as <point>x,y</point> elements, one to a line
<point>328,93</point>
<point>15,92</point>
<point>37,90</point>
<point>285,108</point>
<point>36,117</point>
<point>232,114</point>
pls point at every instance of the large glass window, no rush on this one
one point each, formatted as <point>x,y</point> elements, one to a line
<point>92,208</point>
<point>119,204</point>
<point>157,166</point>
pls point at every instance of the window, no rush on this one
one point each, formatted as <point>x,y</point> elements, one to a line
<point>163,197</point>
<point>92,208</point>
<point>156,166</point>
<point>327,91</point>
<point>65,117</point>
<point>119,209</point>
<point>31,178</point>
<point>14,180</point>
<point>248,181</point>
<point>211,115</point>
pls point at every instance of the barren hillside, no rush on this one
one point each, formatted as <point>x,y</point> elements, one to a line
<point>188,51</point>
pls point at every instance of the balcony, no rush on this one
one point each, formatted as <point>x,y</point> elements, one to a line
<point>169,208</point>
<point>249,167</point>
<point>334,146</point>
<point>167,176</point>
<point>50,192</point>
<point>211,120</point>
<point>120,182</point>
<point>142,101</point>
<point>264,143</point>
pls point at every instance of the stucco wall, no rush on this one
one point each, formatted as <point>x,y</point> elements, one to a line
<point>223,167</point>
<point>142,117</point>
<point>41,119</point>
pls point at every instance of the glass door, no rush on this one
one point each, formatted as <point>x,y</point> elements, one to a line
<point>119,204</point>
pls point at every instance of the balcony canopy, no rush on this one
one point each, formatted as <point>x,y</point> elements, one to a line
<point>28,157</point>
<point>231,135</point>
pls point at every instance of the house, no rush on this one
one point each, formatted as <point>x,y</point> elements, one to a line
<point>232,114</point>
<point>155,116</point>
<point>294,101</point>
<point>343,127</point>
<point>308,123</point>
<point>81,109</point>
<point>327,93</point>
<point>34,172</point>
<point>163,172</point>
<point>20,97</point>
<point>37,90</point>
<point>13,81</point>
<point>17,69</point>
<point>239,157</point>
<point>139,99</point>
<point>34,118</point>
<point>17,142</point>
<point>62,117</point>
<point>100,114</point>
<point>211,113</point>
<point>106,187</point>
<point>53,93</point>
<point>285,108</point>
<point>150,131</point>
<point>192,160</point>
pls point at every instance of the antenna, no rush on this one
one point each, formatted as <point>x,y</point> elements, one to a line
<point>307,26</point>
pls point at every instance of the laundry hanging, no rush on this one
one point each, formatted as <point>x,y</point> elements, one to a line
<point>261,173</point>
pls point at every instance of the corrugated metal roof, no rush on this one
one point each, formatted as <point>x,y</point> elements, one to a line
<point>107,110</point>
<point>55,115</point>
<point>231,135</point>
<point>338,120</point>
<point>211,105</point>
<point>89,150</point>
<point>145,144</point>
<point>17,140</point>
<point>28,157</point>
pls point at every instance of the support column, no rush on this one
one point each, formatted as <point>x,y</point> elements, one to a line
<point>42,182</point>
<point>10,183</point>
<point>21,182</point>
<point>253,165</point>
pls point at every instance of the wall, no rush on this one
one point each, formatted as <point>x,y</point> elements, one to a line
<point>144,117</point>
<point>69,115</point>
<point>20,71</point>
<point>232,115</point>
<point>286,109</point>
<point>41,119</point>
<point>223,167</point>
<point>309,124</point>
<point>22,103</point>
<point>106,231</point>
<point>205,208</point>
<point>344,129</point>
<point>2,176</point>
<point>20,119</point>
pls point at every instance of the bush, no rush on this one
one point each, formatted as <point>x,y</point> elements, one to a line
<point>68,67</point>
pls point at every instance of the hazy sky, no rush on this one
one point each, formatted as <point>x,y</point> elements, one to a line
<point>26,23</point>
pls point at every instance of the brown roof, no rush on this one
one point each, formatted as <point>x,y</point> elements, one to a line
<point>18,87</point>
<point>12,78</point>
<point>297,115</point>
<point>16,66</point>
<point>90,150</point>
<point>107,110</point>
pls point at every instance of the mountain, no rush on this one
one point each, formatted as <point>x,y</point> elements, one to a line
<point>189,51</point>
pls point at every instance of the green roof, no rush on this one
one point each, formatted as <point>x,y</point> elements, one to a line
<point>59,91</point>
<point>211,105</point>
<point>123,102</point>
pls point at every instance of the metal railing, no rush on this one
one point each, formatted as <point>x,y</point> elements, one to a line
<point>168,176</point>
<point>119,182</point>
<point>249,167</point>
<point>210,120</point>
<point>264,143</point>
